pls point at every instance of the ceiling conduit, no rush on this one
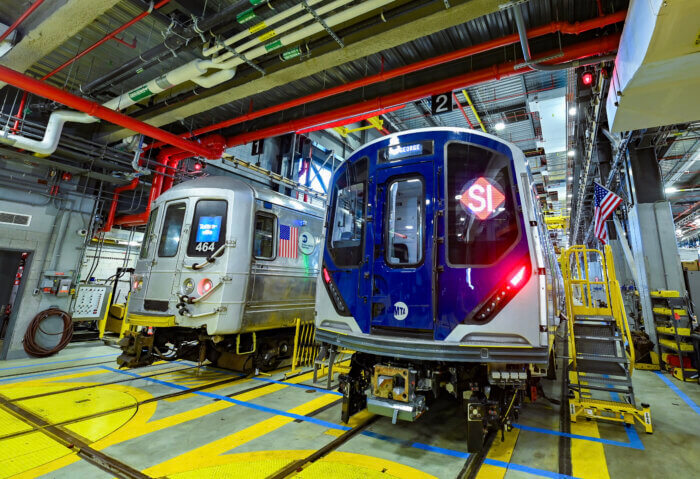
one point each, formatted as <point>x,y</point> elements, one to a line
<point>563,27</point>
<point>588,51</point>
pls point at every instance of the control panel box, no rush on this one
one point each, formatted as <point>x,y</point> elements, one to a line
<point>90,302</point>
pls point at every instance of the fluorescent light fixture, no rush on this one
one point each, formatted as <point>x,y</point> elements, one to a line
<point>571,178</point>
<point>670,189</point>
<point>571,153</point>
<point>500,126</point>
<point>544,173</point>
<point>572,111</point>
<point>409,227</point>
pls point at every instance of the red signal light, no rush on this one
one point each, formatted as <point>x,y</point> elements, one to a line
<point>587,78</point>
<point>204,286</point>
<point>198,166</point>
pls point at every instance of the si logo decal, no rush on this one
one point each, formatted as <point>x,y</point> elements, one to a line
<point>307,242</point>
<point>400,310</point>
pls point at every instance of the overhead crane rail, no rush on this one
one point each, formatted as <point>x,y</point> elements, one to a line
<point>601,352</point>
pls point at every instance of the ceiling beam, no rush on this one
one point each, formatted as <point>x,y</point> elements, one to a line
<point>424,21</point>
<point>58,27</point>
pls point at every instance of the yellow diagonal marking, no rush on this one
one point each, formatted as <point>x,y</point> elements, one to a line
<point>208,454</point>
<point>500,451</point>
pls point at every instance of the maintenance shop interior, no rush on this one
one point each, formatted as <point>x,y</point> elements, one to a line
<point>349,239</point>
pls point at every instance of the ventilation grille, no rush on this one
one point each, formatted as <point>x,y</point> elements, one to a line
<point>14,219</point>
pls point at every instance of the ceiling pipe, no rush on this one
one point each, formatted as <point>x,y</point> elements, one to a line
<point>522,34</point>
<point>563,27</point>
<point>168,158</point>
<point>581,51</point>
<point>103,40</point>
<point>21,18</point>
<point>347,121</point>
<point>45,90</point>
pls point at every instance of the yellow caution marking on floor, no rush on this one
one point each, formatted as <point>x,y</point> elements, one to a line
<point>211,453</point>
<point>9,424</point>
<point>139,425</point>
<point>339,464</point>
<point>25,452</point>
<point>499,451</point>
<point>587,457</point>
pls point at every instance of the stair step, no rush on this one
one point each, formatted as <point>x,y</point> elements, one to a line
<point>601,330</point>
<point>616,339</point>
<point>601,348</point>
<point>602,358</point>
<point>596,367</point>
<point>594,387</point>
<point>601,319</point>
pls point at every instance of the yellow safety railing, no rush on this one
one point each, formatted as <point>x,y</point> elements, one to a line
<point>583,295</point>
<point>305,348</point>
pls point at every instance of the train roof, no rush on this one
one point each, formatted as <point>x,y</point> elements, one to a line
<point>260,193</point>
<point>437,128</point>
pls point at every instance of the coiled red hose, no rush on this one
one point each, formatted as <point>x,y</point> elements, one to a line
<point>30,345</point>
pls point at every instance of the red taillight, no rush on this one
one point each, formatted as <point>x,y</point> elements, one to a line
<point>204,286</point>
<point>518,277</point>
<point>198,167</point>
<point>326,276</point>
<point>136,284</point>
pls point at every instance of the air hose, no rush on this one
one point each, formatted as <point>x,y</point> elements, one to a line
<point>30,345</point>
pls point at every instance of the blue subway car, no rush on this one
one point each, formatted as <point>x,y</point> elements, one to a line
<point>439,273</point>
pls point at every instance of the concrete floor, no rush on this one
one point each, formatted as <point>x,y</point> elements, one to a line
<point>252,427</point>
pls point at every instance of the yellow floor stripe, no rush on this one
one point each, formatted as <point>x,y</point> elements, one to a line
<point>140,425</point>
<point>499,451</point>
<point>587,457</point>
<point>210,454</point>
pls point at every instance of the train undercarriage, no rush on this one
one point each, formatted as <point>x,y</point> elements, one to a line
<point>490,395</point>
<point>245,352</point>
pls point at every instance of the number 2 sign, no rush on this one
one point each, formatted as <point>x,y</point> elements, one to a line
<point>441,103</point>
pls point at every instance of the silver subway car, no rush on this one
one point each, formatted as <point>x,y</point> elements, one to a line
<point>225,270</point>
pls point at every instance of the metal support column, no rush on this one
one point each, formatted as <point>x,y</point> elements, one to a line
<point>651,234</point>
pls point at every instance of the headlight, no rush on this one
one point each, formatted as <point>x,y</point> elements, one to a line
<point>187,286</point>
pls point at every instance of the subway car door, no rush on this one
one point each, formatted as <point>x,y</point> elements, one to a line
<point>167,252</point>
<point>401,233</point>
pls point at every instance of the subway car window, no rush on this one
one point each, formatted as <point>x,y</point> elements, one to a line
<point>404,225</point>
<point>264,240</point>
<point>348,214</point>
<point>208,231</point>
<point>146,244</point>
<point>482,220</point>
<point>172,229</point>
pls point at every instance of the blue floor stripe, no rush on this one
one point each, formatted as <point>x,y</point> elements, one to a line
<point>680,393</point>
<point>632,435</point>
<point>576,436</point>
<point>61,361</point>
<point>527,469</point>
<point>238,402</point>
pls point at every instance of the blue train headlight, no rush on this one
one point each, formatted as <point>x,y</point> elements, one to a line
<point>188,286</point>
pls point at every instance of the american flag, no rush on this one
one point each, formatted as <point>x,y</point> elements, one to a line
<point>289,236</point>
<point>605,202</point>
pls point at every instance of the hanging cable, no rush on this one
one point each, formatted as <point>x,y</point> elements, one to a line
<point>29,342</point>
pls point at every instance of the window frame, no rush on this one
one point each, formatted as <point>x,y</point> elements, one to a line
<point>385,226</point>
<point>162,228</point>
<point>333,206</point>
<point>515,190</point>
<point>194,226</point>
<point>146,241</point>
<point>275,234</point>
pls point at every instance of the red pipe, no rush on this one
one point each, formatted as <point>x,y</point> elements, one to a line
<point>115,197</point>
<point>22,18</point>
<point>45,90</point>
<point>574,52</point>
<point>168,158</point>
<point>563,27</point>
<point>104,39</point>
<point>347,121</point>
<point>461,108</point>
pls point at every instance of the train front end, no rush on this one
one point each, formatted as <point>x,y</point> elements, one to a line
<point>434,272</point>
<point>191,275</point>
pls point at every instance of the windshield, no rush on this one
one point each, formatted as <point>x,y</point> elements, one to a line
<point>482,221</point>
<point>347,214</point>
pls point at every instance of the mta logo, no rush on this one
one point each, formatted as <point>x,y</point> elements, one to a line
<point>400,310</point>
